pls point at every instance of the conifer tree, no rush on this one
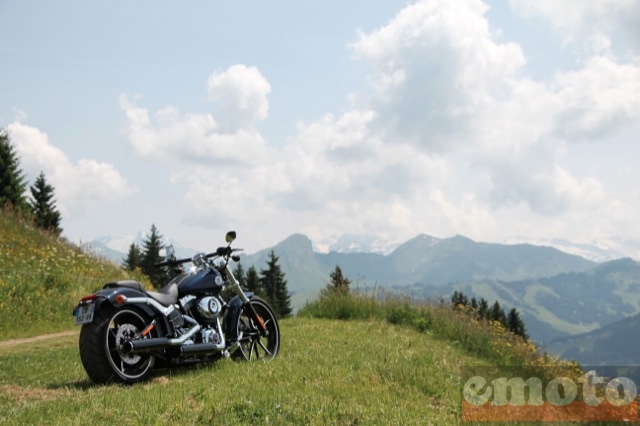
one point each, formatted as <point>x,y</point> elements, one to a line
<point>338,282</point>
<point>496,313</point>
<point>133,259</point>
<point>459,299</point>
<point>515,324</point>
<point>12,181</point>
<point>253,282</point>
<point>483,309</point>
<point>151,246</point>
<point>275,287</point>
<point>43,206</point>
<point>474,304</point>
<point>240,275</point>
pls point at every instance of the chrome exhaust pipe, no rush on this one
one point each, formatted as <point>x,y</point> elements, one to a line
<point>145,345</point>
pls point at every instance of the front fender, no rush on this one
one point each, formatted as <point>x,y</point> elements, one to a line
<point>232,314</point>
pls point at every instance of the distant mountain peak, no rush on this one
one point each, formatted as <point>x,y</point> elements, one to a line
<point>300,241</point>
<point>425,237</point>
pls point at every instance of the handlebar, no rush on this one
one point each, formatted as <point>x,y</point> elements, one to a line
<point>220,251</point>
<point>171,262</point>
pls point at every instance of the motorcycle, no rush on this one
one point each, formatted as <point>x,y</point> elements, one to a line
<point>127,329</point>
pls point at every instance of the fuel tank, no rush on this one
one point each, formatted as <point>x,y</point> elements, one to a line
<point>205,281</point>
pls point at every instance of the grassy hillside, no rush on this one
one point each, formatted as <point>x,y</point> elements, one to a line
<point>42,278</point>
<point>344,360</point>
<point>329,372</point>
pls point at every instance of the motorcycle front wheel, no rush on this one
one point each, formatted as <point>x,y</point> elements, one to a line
<point>253,345</point>
<point>101,346</point>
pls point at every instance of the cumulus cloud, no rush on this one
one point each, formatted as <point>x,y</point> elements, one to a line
<point>445,84</point>
<point>229,137</point>
<point>590,22</point>
<point>599,99</point>
<point>437,65</point>
<point>79,185</point>
<point>173,138</point>
<point>242,92</point>
<point>452,137</point>
<point>217,156</point>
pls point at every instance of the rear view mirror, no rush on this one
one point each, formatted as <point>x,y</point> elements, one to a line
<point>231,235</point>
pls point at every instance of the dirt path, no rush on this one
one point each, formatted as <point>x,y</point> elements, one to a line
<point>15,342</point>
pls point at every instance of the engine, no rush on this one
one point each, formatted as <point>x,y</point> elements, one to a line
<point>205,310</point>
<point>209,309</point>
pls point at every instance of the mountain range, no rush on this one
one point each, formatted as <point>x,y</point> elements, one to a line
<point>559,295</point>
<point>615,344</point>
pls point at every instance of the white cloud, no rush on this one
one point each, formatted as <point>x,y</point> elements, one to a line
<point>438,65</point>
<point>599,99</point>
<point>227,139</point>
<point>590,22</point>
<point>452,138</point>
<point>578,16</point>
<point>172,138</point>
<point>242,91</point>
<point>78,185</point>
<point>446,85</point>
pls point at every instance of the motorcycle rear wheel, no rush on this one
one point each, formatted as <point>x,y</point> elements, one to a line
<point>100,346</point>
<point>254,346</point>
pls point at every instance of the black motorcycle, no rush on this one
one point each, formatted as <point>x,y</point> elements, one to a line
<point>126,329</point>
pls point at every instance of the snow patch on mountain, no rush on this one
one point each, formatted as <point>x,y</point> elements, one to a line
<point>350,243</point>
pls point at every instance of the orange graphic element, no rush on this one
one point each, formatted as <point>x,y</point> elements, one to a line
<point>575,411</point>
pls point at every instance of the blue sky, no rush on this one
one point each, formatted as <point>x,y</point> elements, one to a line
<point>489,119</point>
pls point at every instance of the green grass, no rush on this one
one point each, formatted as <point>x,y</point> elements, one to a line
<point>42,278</point>
<point>329,372</point>
<point>488,340</point>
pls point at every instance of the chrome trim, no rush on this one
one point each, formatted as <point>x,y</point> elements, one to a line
<point>186,336</point>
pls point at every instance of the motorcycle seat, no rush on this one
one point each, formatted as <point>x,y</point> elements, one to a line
<point>168,295</point>
<point>132,284</point>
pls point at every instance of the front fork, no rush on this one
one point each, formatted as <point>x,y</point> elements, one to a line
<point>235,284</point>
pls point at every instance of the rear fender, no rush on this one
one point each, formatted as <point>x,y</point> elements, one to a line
<point>109,295</point>
<point>105,298</point>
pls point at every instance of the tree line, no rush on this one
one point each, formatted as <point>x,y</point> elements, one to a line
<point>269,283</point>
<point>511,321</point>
<point>339,285</point>
<point>40,205</point>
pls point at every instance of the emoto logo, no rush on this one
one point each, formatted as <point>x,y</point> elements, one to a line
<point>488,395</point>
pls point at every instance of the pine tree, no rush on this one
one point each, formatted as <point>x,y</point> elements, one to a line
<point>483,309</point>
<point>240,275</point>
<point>133,259</point>
<point>253,282</point>
<point>275,287</point>
<point>339,283</point>
<point>151,246</point>
<point>43,207</point>
<point>474,304</point>
<point>12,181</point>
<point>515,324</point>
<point>459,299</point>
<point>496,313</point>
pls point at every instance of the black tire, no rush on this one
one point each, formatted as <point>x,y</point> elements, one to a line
<point>100,341</point>
<point>253,346</point>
